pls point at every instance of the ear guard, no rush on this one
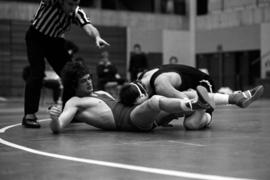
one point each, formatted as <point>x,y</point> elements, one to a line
<point>139,90</point>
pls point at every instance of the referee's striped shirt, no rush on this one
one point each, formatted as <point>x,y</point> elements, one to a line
<point>52,21</point>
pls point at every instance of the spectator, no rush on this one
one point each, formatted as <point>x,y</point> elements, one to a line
<point>107,72</point>
<point>138,62</point>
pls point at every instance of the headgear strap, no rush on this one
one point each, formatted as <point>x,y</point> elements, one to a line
<point>140,92</point>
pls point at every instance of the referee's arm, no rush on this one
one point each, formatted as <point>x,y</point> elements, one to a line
<point>92,31</point>
<point>87,26</point>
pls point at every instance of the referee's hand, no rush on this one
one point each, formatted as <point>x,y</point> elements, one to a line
<point>101,43</point>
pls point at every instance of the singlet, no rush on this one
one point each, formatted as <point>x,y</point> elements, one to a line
<point>120,112</point>
<point>52,21</point>
<point>191,77</point>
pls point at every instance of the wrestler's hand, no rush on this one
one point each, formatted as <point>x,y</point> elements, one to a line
<point>55,112</point>
<point>101,43</point>
<point>194,96</point>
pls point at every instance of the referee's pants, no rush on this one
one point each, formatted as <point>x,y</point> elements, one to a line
<point>39,48</point>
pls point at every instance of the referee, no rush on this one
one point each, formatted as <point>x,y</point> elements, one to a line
<point>44,39</point>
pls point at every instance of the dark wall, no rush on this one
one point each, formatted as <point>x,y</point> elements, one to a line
<point>237,70</point>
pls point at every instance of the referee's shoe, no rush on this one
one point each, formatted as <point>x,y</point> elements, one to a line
<point>30,123</point>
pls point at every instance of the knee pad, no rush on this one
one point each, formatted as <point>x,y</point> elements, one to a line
<point>206,120</point>
<point>193,121</point>
<point>197,121</point>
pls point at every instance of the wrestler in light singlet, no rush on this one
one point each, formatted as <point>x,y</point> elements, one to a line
<point>121,114</point>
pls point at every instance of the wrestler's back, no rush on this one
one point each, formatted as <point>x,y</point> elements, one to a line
<point>190,77</point>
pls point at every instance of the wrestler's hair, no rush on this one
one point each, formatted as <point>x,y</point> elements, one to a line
<point>71,74</point>
<point>128,95</point>
<point>130,92</point>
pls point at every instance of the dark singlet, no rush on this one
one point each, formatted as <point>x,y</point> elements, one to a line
<point>191,77</point>
<point>120,112</point>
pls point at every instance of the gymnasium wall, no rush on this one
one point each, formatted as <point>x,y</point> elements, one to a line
<point>12,57</point>
<point>227,22</point>
<point>265,50</point>
<point>143,28</point>
<point>231,39</point>
<point>177,43</point>
<point>146,27</point>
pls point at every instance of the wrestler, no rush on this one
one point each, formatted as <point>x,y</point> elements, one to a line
<point>101,110</point>
<point>178,81</point>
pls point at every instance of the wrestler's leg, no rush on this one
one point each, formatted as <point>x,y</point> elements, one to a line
<point>191,94</point>
<point>165,118</point>
<point>201,94</point>
<point>241,99</point>
<point>201,118</point>
<point>145,114</point>
<point>197,120</point>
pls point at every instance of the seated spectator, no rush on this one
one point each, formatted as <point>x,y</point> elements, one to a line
<point>107,73</point>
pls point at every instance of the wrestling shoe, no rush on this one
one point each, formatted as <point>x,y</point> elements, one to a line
<point>204,101</point>
<point>244,99</point>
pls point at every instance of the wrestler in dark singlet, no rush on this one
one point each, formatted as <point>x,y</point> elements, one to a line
<point>191,77</point>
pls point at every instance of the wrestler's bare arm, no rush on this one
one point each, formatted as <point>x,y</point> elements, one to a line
<point>165,85</point>
<point>61,119</point>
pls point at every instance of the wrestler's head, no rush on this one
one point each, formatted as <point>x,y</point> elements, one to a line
<point>76,79</point>
<point>133,93</point>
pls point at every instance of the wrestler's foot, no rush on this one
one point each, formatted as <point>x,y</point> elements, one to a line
<point>206,121</point>
<point>244,99</point>
<point>198,120</point>
<point>204,101</point>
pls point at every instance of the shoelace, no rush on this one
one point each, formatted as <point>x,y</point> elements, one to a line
<point>247,94</point>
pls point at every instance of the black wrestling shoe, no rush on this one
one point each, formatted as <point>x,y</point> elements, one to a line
<point>204,101</point>
<point>30,123</point>
<point>244,99</point>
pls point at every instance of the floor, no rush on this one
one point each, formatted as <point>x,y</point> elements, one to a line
<point>237,146</point>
